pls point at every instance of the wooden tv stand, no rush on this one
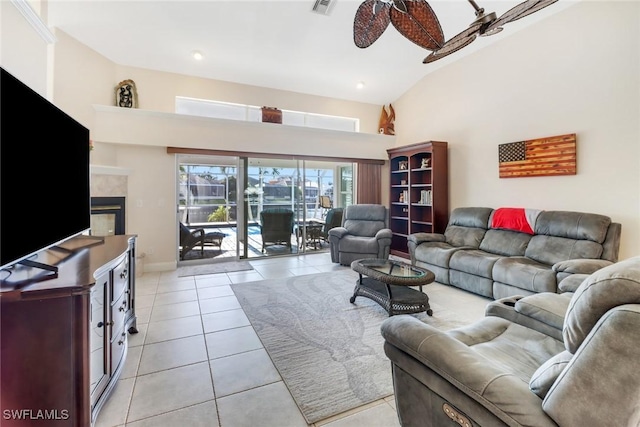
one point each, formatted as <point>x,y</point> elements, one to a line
<point>63,340</point>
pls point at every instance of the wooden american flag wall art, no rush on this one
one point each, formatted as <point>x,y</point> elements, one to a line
<point>554,155</point>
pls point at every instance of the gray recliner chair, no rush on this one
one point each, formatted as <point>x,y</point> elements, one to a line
<point>496,372</point>
<point>364,233</point>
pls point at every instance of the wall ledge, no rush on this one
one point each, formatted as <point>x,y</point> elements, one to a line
<point>134,126</point>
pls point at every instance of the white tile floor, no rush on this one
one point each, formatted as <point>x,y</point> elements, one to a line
<point>197,361</point>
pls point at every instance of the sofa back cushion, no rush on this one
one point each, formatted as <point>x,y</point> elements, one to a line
<point>467,226</point>
<point>603,290</point>
<point>365,220</point>
<point>563,235</point>
<point>573,225</point>
<point>550,249</point>
<point>504,242</point>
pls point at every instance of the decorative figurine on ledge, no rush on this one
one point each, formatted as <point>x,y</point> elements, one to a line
<point>426,163</point>
<point>126,94</point>
<point>386,124</point>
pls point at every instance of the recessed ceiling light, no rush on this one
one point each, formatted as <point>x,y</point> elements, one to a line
<point>360,85</point>
<point>197,55</point>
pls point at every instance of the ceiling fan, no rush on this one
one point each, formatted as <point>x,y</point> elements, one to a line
<point>416,20</point>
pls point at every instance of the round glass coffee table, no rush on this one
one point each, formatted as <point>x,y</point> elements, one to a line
<point>389,284</point>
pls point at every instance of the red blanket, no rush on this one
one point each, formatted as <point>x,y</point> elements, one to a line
<point>515,219</point>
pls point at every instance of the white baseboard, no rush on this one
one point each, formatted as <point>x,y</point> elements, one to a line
<point>157,267</point>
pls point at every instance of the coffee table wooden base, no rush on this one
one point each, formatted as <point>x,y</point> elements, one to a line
<point>394,299</point>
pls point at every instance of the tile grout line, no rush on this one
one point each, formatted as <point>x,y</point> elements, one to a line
<point>152,310</point>
<point>206,349</point>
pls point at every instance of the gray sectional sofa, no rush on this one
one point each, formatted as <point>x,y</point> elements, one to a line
<point>477,255</point>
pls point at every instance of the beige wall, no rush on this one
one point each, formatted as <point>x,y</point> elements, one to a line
<point>576,72</point>
<point>23,53</point>
<point>82,77</point>
<point>151,203</point>
<point>157,92</point>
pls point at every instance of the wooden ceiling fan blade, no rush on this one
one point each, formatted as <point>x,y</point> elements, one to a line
<point>400,5</point>
<point>520,11</point>
<point>372,18</point>
<point>419,24</point>
<point>454,44</point>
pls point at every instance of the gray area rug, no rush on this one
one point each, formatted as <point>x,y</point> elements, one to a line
<point>328,351</point>
<point>213,268</point>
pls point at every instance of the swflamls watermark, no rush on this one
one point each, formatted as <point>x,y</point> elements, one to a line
<point>35,414</point>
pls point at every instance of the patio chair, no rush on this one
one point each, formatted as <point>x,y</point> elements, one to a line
<point>332,220</point>
<point>276,227</point>
<point>190,239</point>
<point>325,204</point>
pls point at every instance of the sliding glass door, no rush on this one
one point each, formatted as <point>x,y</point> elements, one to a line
<point>208,208</point>
<point>301,189</point>
<point>245,207</point>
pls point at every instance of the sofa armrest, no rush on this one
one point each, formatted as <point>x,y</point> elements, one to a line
<point>337,233</point>
<point>504,394</point>
<point>385,233</point>
<point>580,266</point>
<point>546,307</point>
<point>510,308</point>
<point>417,238</point>
<point>571,282</point>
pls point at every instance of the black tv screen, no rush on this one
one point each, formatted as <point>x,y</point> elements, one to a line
<point>44,173</point>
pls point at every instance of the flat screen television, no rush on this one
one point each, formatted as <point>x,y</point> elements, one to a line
<point>44,174</point>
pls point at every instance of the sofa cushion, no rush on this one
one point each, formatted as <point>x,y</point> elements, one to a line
<point>573,225</point>
<point>514,348</point>
<point>525,273</point>
<point>551,249</point>
<point>503,242</point>
<point>603,290</point>
<point>435,253</point>
<point>473,261</point>
<point>544,377</point>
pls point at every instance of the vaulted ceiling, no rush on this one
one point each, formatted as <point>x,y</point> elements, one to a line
<point>281,44</point>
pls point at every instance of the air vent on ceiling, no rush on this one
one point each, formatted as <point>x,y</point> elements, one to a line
<point>323,6</point>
